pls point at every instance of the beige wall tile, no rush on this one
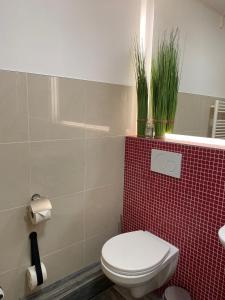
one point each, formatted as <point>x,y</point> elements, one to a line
<point>13,107</point>
<point>66,226</point>
<point>68,159</point>
<point>192,116</point>
<point>108,109</point>
<point>56,107</point>
<point>93,246</point>
<point>14,236</point>
<point>58,265</point>
<point>104,160</point>
<point>64,262</point>
<point>102,209</point>
<point>57,167</point>
<point>14,174</point>
<point>14,283</point>
<point>132,112</point>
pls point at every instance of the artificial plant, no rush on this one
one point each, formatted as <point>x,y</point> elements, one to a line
<point>165,84</point>
<point>142,89</point>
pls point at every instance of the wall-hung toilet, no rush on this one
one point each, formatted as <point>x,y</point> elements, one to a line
<point>139,261</point>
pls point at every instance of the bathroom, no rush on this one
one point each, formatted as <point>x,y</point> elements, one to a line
<point>69,143</point>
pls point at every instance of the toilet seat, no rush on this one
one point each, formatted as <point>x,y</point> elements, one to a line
<point>134,253</point>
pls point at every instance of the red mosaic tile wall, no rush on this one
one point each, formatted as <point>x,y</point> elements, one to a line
<point>187,212</point>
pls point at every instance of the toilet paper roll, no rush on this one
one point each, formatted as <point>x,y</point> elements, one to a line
<point>32,280</point>
<point>39,210</point>
<point>41,204</point>
<point>37,218</point>
<point>2,296</point>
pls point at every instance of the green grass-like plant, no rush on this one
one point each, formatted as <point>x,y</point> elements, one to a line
<point>142,89</point>
<point>165,84</point>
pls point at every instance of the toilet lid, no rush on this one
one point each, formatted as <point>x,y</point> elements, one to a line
<point>134,253</point>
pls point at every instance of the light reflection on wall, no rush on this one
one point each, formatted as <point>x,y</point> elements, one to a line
<point>195,140</point>
<point>55,106</point>
<point>143,16</point>
<point>146,37</point>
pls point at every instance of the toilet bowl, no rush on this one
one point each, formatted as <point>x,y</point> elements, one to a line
<point>139,261</point>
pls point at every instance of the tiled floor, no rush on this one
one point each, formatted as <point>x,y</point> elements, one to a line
<point>90,284</point>
<point>115,293</point>
<point>110,294</point>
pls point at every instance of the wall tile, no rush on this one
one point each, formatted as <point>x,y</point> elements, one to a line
<point>66,226</point>
<point>14,174</point>
<point>71,260</point>
<point>56,107</point>
<point>64,262</point>
<point>13,107</point>
<point>102,209</point>
<point>93,246</point>
<point>195,121</point>
<point>14,283</point>
<point>51,144</point>
<point>108,109</point>
<point>57,167</point>
<point>14,250</point>
<point>104,159</point>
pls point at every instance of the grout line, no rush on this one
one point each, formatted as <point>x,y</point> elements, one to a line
<point>81,242</point>
<point>29,135</point>
<point>78,138</point>
<point>56,140</point>
<point>28,109</point>
<point>10,270</point>
<point>103,233</point>
<point>62,249</point>
<point>58,197</point>
<point>65,195</point>
<point>12,143</point>
<point>61,140</point>
<point>12,208</point>
<point>43,256</point>
<point>85,190</point>
<point>100,82</point>
<point>99,187</point>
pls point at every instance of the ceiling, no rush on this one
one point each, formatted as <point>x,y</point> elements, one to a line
<point>217,5</point>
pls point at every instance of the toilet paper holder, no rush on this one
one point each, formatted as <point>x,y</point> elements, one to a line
<point>39,209</point>
<point>35,197</point>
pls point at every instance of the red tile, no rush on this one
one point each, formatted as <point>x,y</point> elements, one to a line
<point>186,212</point>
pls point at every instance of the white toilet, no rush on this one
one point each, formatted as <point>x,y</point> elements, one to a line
<point>139,261</point>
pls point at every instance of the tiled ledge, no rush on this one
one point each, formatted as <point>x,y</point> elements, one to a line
<point>189,140</point>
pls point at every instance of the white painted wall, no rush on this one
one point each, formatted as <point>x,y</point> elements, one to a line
<point>86,39</point>
<point>202,43</point>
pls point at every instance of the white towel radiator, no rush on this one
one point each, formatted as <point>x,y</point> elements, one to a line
<point>218,129</point>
